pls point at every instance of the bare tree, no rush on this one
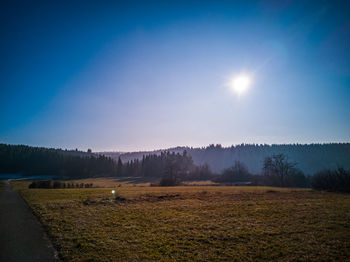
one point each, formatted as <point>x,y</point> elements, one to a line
<point>277,169</point>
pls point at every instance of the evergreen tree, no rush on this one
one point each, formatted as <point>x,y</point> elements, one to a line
<point>119,167</point>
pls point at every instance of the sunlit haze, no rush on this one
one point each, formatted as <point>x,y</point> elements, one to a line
<point>142,75</point>
<point>240,83</point>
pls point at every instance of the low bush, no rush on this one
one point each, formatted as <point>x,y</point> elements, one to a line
<point>41,184</point>
<point>235,174</point>
<point>169,181</point>
<point>332,180</point>
<point>57,184</point>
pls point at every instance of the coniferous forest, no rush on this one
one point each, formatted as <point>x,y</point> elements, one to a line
<point>58,163</point>
<point>167,164</point>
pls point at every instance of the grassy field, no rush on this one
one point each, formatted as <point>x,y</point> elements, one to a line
<point>194,223</point>
<point>2,185</point>
<point>98,182</point>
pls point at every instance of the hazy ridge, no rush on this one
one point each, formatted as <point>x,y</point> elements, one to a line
<point>310,158</point>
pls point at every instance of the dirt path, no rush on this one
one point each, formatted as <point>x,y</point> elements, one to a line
<point>21,236</point>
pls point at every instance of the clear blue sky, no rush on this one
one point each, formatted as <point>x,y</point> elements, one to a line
<point>135,75</point>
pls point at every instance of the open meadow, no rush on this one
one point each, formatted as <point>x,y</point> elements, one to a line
<point>193,223</point>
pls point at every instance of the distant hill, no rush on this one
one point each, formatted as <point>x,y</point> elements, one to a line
<point>309,157</point>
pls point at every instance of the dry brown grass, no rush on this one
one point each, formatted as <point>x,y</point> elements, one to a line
<point>97,182</point>
<point>20,184</point>
<point>200,183</point>
<point>206,223</point>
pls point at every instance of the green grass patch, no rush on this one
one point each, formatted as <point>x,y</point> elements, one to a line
<point>199,223</point>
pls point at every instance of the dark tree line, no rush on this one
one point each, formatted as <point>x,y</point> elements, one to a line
<point>310,157</point>
<point>173,166</point>
<point>55,162</point>
<point>170,167</point>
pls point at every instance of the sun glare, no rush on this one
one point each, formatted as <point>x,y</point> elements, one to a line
<point>240,83</point>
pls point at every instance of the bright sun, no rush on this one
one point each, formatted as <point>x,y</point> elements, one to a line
<point>240,83</point>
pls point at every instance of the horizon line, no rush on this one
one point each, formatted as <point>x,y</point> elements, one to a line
<point>175,147</point>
